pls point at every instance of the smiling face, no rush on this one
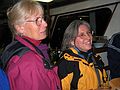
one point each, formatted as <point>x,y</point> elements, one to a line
<point>84,39</point>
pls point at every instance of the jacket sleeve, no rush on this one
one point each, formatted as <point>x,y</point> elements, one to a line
<point>66,67</point>
<point>114,55</point>
<point>28,74</point>
<point>114,63</point>
<point>62,68</point>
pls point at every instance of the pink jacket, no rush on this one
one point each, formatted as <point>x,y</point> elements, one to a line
<point>28,72</point>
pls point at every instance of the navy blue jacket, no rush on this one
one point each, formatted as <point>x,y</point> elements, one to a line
<point>113,55</point>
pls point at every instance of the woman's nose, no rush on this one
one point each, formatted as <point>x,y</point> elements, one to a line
<point>88,36</point>
<point>45,23</point>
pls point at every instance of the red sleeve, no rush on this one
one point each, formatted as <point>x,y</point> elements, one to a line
<point>28,73</point>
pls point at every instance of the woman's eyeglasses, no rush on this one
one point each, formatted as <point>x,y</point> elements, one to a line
<point>38,20</point>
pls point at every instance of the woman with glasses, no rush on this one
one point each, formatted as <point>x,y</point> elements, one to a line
<point>25,59</point>
<point>76,65</point>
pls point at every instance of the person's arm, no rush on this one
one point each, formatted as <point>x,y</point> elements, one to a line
<point>62,68</point>
<point>28,74</point>
<point>66,67</point>
<point>113,53</point>
<point>114,63</point>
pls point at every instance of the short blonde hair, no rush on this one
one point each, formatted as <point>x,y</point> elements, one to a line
<point>21,11</point>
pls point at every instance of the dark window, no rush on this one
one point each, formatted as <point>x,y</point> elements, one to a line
<point>98,20</point>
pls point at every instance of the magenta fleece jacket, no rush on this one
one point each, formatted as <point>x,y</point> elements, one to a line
<point>28,72</point>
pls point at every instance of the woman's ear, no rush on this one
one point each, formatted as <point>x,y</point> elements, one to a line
<point>19,29</point>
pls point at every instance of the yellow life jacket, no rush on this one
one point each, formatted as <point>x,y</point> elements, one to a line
<point>88,79</point>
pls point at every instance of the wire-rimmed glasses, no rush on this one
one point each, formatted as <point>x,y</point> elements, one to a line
<point>38,20</point>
